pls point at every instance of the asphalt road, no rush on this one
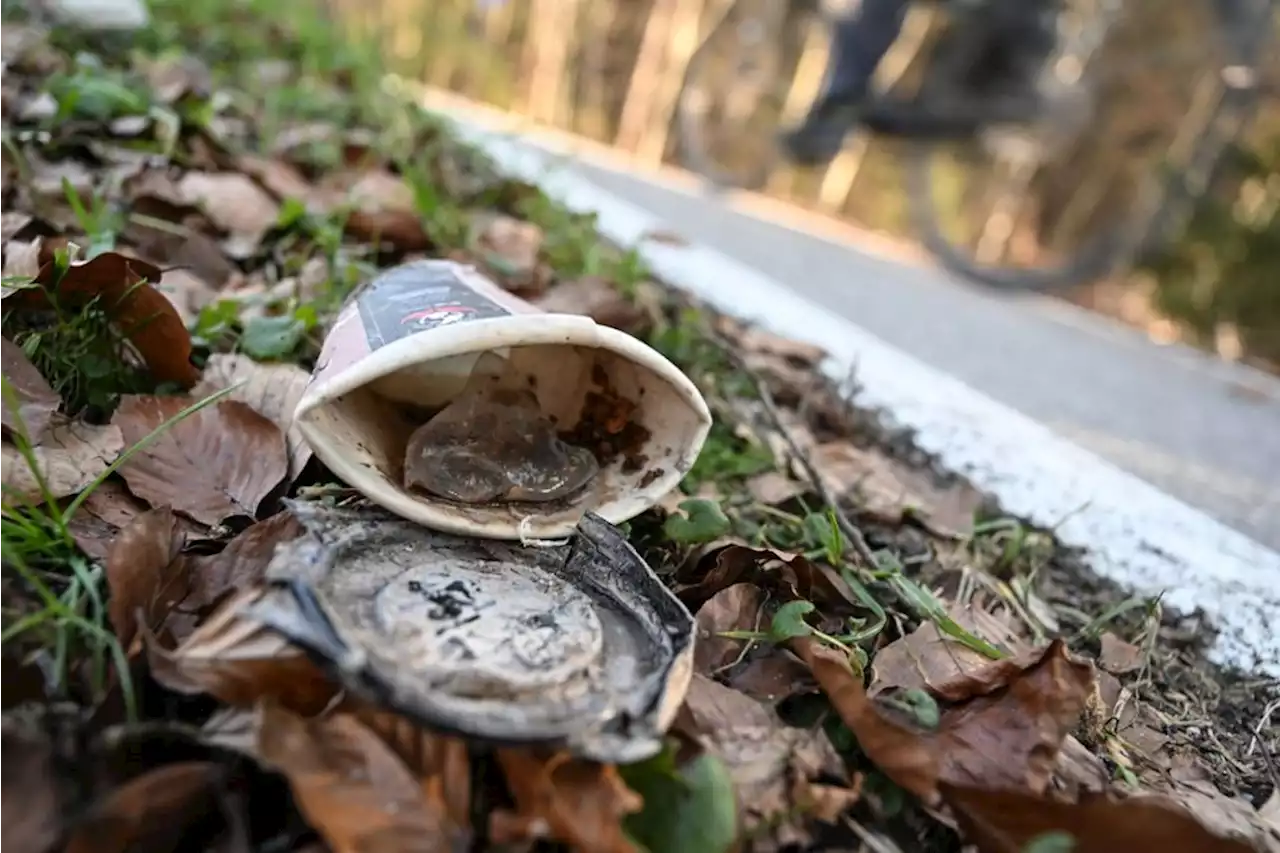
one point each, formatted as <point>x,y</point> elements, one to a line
<point>1202,430</point>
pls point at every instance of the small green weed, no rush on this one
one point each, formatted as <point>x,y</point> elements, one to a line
<point>789,623</point>
<point>81,355</point>
<point>1054,841</point>
<point>92,91</point>
<point>703,521</point>
<point>100,222</point>
<point>725,457</point>
<point>690,806</point>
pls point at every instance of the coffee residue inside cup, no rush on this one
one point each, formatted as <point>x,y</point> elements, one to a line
<point>493,443</point>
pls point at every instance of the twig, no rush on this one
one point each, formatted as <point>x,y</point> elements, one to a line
<point>1263,722</point>
<point>746,646</point>
<point>874,841</point>
<point>1270,763</point>
<point>1259,741</point>
<point>847,527</point>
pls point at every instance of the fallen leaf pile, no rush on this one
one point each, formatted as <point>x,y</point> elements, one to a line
<point>173,253</point>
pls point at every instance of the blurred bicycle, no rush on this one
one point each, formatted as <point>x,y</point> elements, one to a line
<point>1062,138</point>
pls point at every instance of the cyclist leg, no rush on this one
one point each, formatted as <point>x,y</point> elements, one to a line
<point>859,42</point>
<point>1017,39</point>
<point>1244,25</point>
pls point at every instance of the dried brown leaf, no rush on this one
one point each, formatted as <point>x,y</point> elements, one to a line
<point>773,488</point>
<point>155,193</point>
<point>401,229</point>
<point>999,674</point>
<point>351,786</point>
<point>882,487</point>
<point>773,766</point>
<point>736,608</point>
<point>219,462</point>
<point>579,803</point>
<point>239,662</point>
<point>378,189</point>
<point>12,222</point>
<point>46,181</point>
<point>35,401</point>
<point>716,569</point>
<point>22,260</point>
<point>27,49</point>
<point>755,340</point>
<point>107,510</point>
<point>180,246</point>
<point>1118,657</point>
<point>273,390</point>
<point>597,298</point>
<point>243,563</point>
<point>1078,770</point>
<point>1136,728</point>
<point>290,139</point>
<point>924,658</point>
<point>904,754</point>
<point>384,209</point>
<point>146,575</point>
<point>1005,729</point>
<point>514,242</point>
<point>772,677</point>
<point>721,565</point>
<point>1008,821</point>
<point>188,293</point>
<point>257,296</point>
<point>172,78</point>
<point>1009,734</point>
<point>101,516</point>
<point>278,177</point>
<point>70,457</point>
<point>441,763</point>
<point>232,201</point>
<point>34,800</point>
<point>846,469</point>
<point>151,812</point>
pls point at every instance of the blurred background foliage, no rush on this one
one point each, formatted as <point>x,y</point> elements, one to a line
<point>611,70</point>
<point>1221,280</point>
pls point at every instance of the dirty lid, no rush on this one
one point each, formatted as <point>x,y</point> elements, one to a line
<point>577,645</point>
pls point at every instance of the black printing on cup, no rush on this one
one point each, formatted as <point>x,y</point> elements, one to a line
<point>418,297</point>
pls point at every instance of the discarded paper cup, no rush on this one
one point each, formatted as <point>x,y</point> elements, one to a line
<point>579,646</point>
<point>403,352</point>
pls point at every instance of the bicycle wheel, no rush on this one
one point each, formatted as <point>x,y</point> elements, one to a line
<point>1250,26</point>
<point>1136,106</point>
<point>738,90</point>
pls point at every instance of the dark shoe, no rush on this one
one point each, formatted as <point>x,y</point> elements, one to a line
<point>819,138</point>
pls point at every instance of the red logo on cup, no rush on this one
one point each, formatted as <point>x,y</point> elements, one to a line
<point>439,315</point>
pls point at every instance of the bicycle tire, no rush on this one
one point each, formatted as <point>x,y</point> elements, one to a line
<point>1101,255</point>
<point>691,135</point>
<point>1238,107</point>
